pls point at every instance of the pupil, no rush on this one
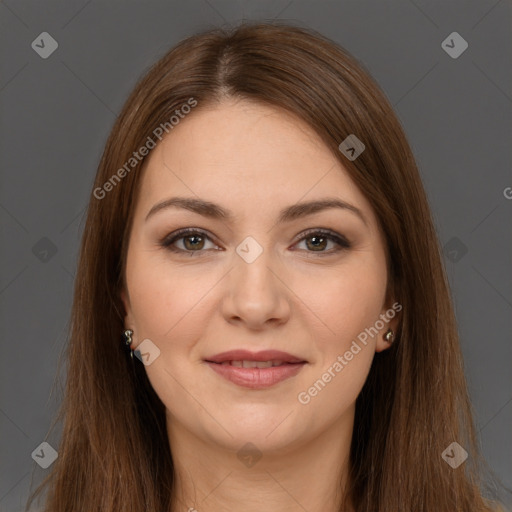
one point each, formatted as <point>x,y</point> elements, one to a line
<point>319,240</point>
<point>194,244</point>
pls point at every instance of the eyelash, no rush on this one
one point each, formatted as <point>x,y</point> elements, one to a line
<point>342,242</point>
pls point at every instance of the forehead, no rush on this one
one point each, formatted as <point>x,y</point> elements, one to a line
<point>250,154</point>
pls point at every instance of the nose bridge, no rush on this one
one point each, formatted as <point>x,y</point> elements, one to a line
<point>255,293</point>
<point>254,272</point>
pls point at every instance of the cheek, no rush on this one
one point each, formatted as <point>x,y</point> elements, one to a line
<point>348,303</point>
<point>169,306</point>
<point>166,299</point>
<point>348,307</point>
<point>343,303</point>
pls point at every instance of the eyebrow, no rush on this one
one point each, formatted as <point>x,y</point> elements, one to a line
<point>288,214</point>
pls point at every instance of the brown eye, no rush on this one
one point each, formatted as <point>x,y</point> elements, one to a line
<point>191,241</point>
<point>318,241</point>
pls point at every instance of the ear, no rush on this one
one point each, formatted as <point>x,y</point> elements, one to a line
<point>390,317</point>
<point>128,319</point>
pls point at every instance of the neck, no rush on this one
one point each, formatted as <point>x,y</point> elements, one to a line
<point>310,475</point>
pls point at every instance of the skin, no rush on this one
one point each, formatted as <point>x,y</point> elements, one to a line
<point>254,160</point>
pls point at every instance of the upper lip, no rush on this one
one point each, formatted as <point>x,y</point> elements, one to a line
<point>246,355</point>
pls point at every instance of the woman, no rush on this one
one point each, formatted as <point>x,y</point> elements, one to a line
<point>259,235</point>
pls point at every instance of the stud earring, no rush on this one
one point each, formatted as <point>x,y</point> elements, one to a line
<point>128,340</point>
<point>388,336</point>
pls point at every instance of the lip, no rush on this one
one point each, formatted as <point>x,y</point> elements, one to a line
<point>246,355</point>
<point>256,378</point>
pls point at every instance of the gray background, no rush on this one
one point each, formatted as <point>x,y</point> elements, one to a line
<point>56,113</point>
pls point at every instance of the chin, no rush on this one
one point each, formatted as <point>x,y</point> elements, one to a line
<point>268,432</point>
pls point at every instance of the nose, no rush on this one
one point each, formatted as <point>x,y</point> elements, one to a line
<point>256,294</point>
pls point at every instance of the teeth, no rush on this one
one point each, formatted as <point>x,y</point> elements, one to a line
<point>263,364</point>
<point>254,364</point>
<point>250,364</point>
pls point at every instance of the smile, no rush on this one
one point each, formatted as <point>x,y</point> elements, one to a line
<point>256,374</point>
<point>255,370</point>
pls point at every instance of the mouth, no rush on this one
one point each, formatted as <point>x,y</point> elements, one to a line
<point>255,370</point>
<point>254,364</point>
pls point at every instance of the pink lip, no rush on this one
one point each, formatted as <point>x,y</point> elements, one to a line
<point>245,355</point>
<point>256,378</point>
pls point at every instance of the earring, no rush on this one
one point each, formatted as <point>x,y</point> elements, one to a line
<point>128,340</point>
<point>388,336</point>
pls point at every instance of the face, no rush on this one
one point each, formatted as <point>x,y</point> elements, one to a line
<point>268,275</point>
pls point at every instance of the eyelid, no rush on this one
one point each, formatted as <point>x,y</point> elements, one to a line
<point>342,241</point>
<point>333,235</point>
<point>169,239</point>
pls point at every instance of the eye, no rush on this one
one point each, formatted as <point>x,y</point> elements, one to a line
<point>192,241</point>
<point>317,240</point>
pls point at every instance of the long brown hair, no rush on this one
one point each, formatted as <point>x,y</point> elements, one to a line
<point>114,454</point>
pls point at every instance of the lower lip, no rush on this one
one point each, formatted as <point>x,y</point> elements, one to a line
<point>256,378</point>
